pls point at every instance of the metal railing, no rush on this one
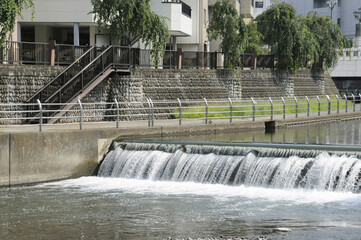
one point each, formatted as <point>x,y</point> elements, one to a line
<point>181,112</point>
<point>50,88</point>
<point>39,53</point>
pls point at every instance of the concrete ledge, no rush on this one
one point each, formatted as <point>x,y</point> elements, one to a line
<point>318,119</point>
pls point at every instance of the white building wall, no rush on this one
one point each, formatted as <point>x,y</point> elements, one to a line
<point>178,23</point>
<point>343,11</point>
<point>258,11</point>
<point>52,11</point>
<point>194,38</point>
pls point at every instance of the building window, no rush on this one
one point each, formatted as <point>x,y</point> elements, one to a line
<point>339,21</point>
<point>319,3</point>
<point>186,10</point>
<point>259,4</point>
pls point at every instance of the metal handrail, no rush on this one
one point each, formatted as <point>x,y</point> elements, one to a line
<point>63,72</point>
<point>228,109</point>
<point>78,74</point>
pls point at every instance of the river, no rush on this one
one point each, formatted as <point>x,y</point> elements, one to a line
<point>135,208</point>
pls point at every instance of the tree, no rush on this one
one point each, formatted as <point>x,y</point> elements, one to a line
<point>254,39</point>
<point>329,40</point>
<point>132,19</point>
<point>291,41</point>
<point>9,10</point>
<point>230,29</point>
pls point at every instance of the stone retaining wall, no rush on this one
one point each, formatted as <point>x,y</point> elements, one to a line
<point>18,83</point>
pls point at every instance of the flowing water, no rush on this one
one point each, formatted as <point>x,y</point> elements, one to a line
<point>159,191</point>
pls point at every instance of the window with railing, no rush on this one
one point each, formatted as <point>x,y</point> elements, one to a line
<point>319,4</point>
<point>259,4</point>
<point>171,1</point>
<point>186,9</point>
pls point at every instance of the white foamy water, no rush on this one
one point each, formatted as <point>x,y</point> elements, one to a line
<point>219,191</point>
<point>265,168</point>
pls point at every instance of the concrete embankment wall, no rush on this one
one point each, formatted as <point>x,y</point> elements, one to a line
<point>31,157</point>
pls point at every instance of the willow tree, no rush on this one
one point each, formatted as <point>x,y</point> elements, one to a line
<point>9,10</point>
<point>133,20</point>
<point>227,26</point>
<point>290,39</point>
<point>329,38</point>
<point>254,39</point>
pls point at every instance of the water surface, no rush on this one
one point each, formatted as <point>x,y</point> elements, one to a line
<point>120,208</point>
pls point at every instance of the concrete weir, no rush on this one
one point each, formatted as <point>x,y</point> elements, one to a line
<point>33,157</point>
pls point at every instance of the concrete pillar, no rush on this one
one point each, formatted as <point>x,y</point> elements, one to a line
<point>92,32</point>
<point>18,32</point>
<point>180,57</point>
<point>76,34</point>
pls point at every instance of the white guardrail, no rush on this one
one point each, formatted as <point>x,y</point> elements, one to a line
<point>206,110</point>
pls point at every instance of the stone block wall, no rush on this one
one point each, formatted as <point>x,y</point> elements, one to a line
<point>20,82</point>
<point>17,83</point>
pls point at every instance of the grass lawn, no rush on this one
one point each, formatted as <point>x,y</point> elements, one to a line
<point>245,108</point>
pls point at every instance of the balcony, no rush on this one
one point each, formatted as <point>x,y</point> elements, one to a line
<point>178,16</point>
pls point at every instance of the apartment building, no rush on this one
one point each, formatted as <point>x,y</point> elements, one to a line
<point>70,22</point>
<point>342,12</point>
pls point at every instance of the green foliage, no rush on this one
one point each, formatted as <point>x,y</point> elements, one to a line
<point>133,19</point>
<point>288,37</point>
<point>329,39</point>
<point>9,10</point>
<point>230,29</point>
<point>254,39</point>
<point>311,41</point>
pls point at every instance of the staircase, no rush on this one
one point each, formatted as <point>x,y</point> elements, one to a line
<point>79,79</point>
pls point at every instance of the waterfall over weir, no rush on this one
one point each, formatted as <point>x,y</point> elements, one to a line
<point>256,167</point>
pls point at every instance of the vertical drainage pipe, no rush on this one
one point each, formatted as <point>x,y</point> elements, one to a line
<point>41,116</point>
